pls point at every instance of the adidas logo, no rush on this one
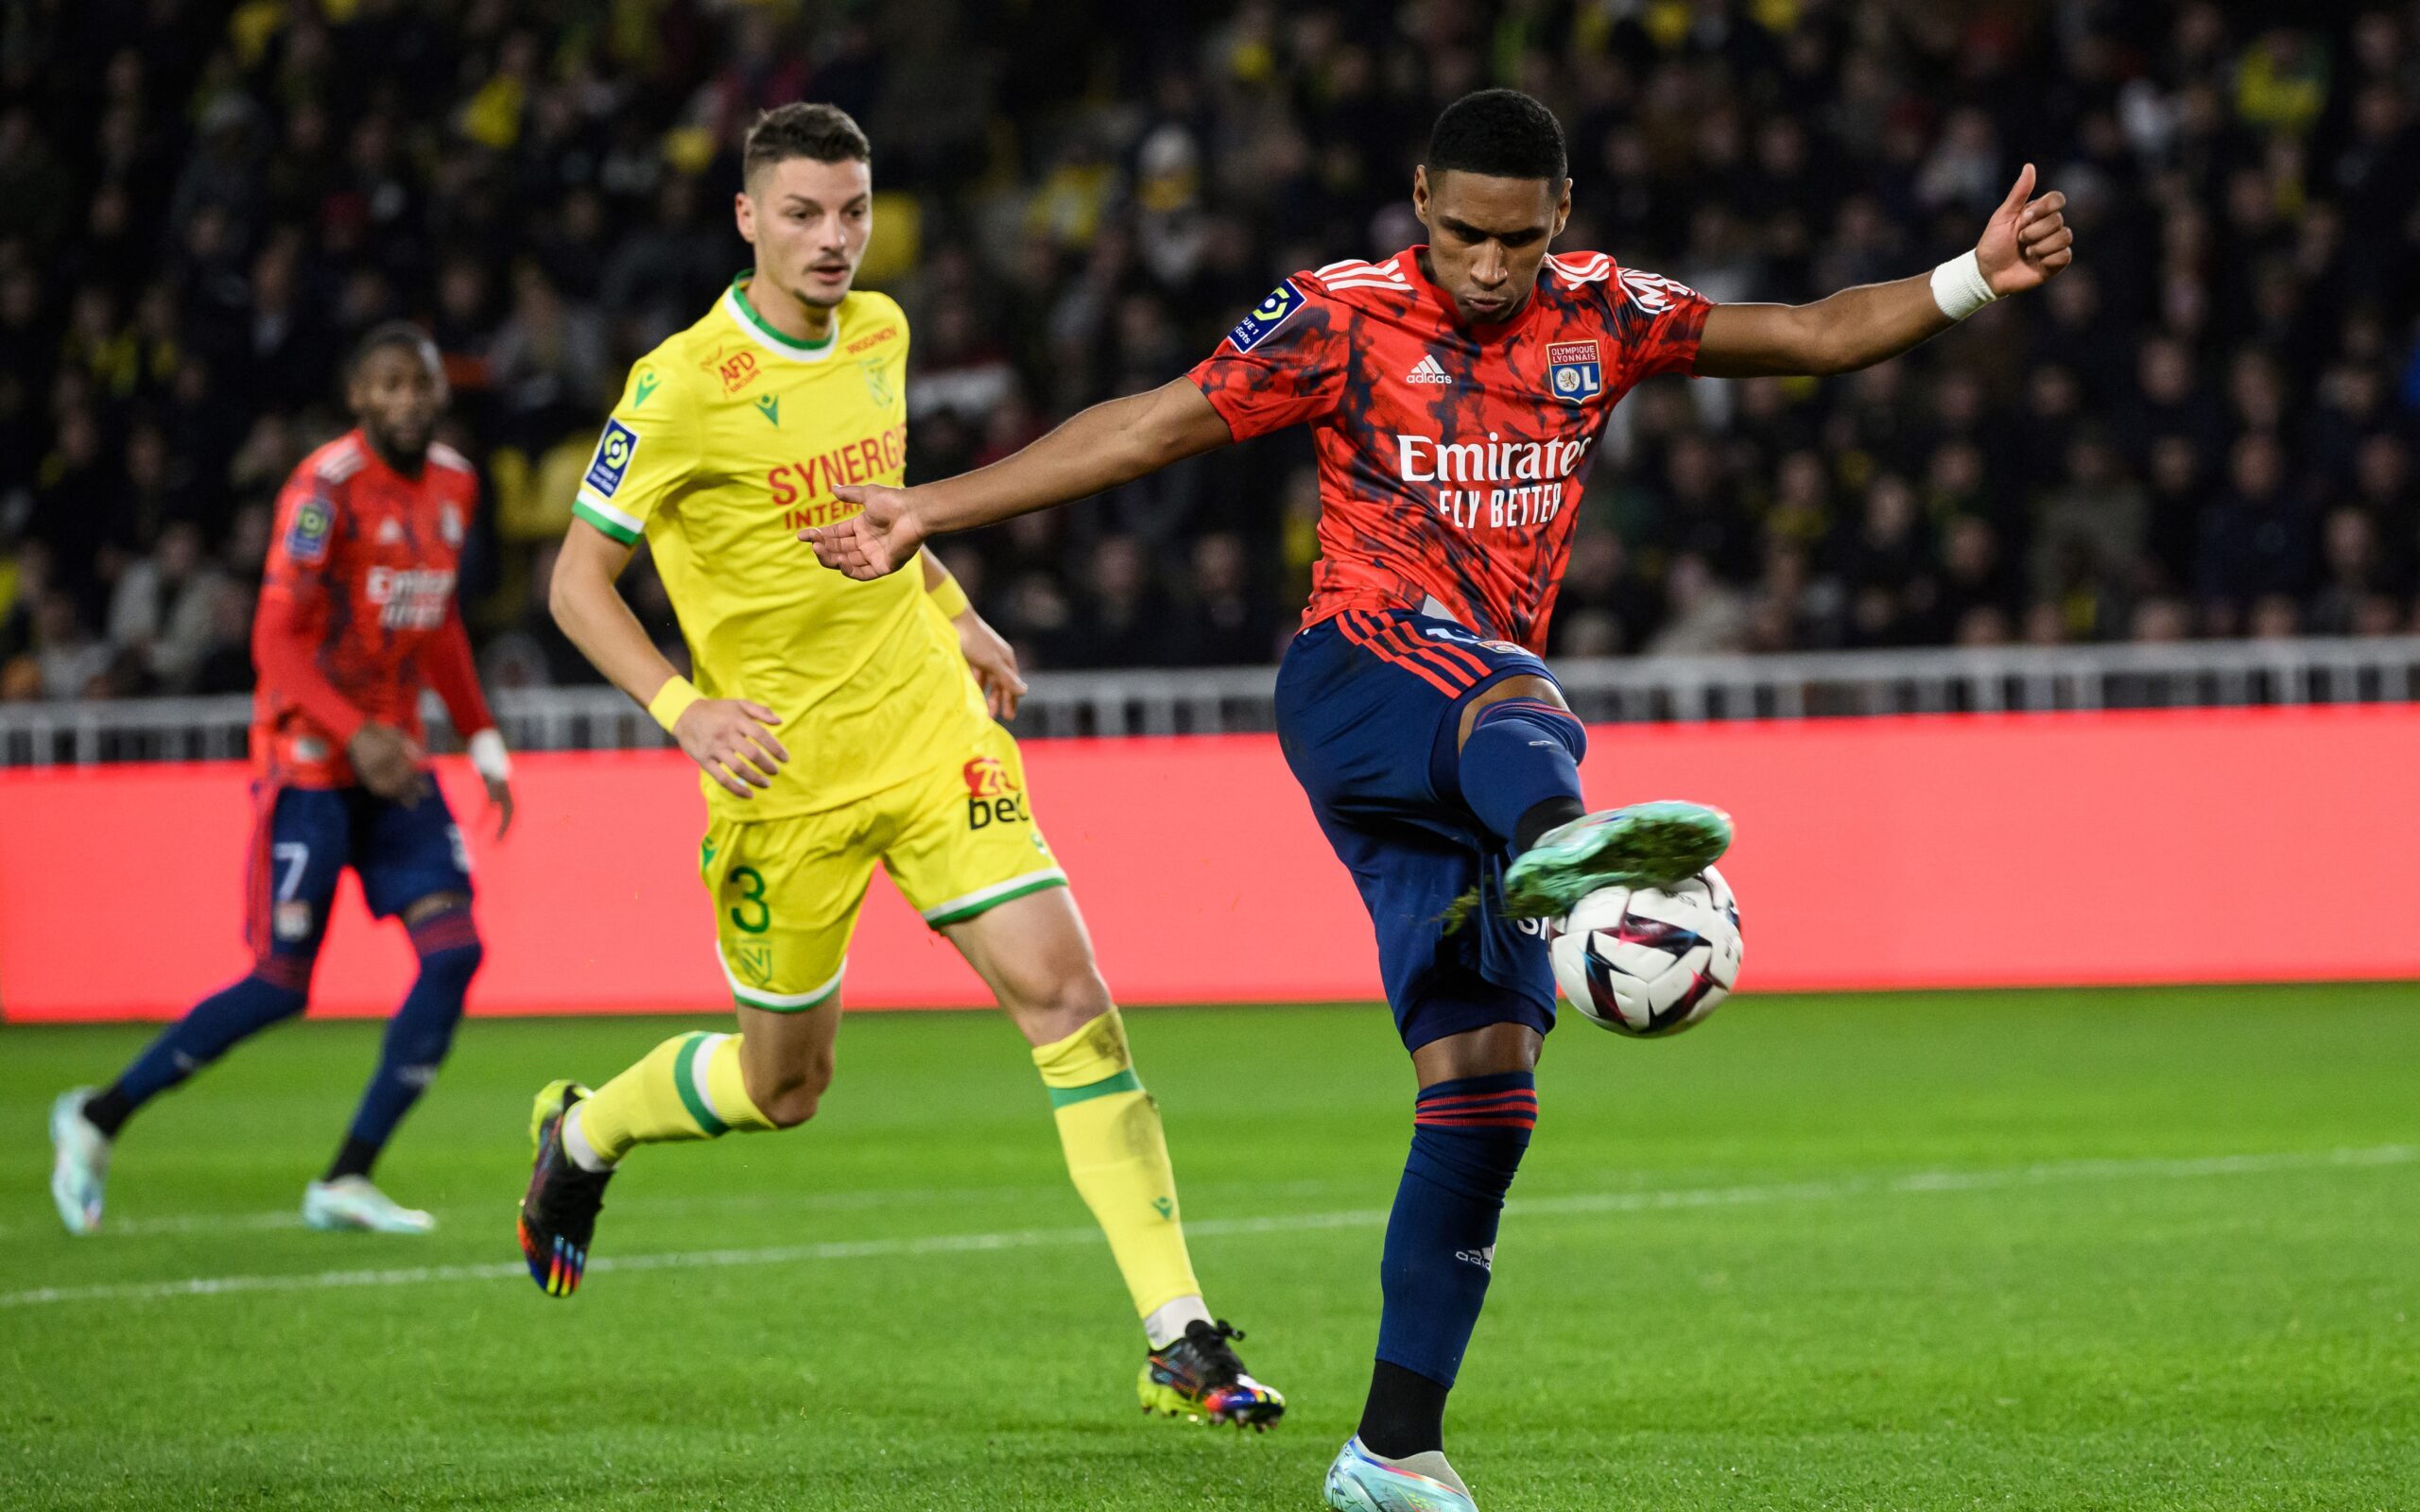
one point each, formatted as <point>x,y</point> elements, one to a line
<point>389,531</point>
<point>1426,371</point>
<point>1484,1259</point>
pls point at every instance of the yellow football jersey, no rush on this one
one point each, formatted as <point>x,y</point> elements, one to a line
<point>728,440</point>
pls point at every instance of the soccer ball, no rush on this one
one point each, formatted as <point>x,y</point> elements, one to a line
<point>1643,962</point>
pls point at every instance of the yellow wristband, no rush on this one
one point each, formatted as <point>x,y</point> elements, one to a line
<point>950,598</point>
<point>673,700</point>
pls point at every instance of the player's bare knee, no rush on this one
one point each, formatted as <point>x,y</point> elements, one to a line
<point>791,1107</point>
<point>1082,995</point>
<point>1051,1009</point>
<point>789,1095</point>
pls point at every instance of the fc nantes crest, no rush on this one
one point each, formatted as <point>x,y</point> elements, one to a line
<point>756,963</point>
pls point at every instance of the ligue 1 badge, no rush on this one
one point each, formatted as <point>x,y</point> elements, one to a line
<point>1573,372</point>
<point>1266,316</point>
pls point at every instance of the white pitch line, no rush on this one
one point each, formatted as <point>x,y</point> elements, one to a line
<point>812,1204</point>
<point>1913,1183</point>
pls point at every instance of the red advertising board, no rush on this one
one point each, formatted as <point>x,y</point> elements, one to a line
<point>2259,845</point>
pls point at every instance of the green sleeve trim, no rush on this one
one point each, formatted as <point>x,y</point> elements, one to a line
<point>688,1075</point>
<point>581,510</point>
<point>1125,1081</point>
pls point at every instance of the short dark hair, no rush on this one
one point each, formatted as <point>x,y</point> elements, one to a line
<point>1500,132</point>
<point>822,132</point>
<point>392,334</point>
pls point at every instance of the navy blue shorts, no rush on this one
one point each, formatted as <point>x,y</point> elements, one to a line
<point>307,837</point>
<point>1369,705</point>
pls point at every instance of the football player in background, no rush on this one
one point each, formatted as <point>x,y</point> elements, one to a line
<point>357,615</point>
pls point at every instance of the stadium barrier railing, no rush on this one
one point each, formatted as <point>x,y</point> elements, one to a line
<point>1236,700</point>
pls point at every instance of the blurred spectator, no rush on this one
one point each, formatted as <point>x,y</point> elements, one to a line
<point>1221,621</point>
<point>1701,614</point>
<point>166,606</point>
<point>67,656</point>
<point>2356,592</point>
<point>2258,541</point>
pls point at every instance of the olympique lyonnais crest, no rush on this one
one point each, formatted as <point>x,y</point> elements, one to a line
<point>1573,372</point>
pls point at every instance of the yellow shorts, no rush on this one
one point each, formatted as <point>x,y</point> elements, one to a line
<point>958,840</point>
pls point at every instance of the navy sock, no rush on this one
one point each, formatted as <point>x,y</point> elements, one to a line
<point>1521,753</point>
<point>1467,1142</point>
<point>417,1037</point>
<point>213,1026</point>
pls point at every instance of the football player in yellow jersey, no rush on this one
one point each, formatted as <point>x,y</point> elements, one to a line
<point>838,724</point>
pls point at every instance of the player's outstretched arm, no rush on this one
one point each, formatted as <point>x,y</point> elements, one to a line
<point>731,738</point>
<point>2024,245</point>
<point>1110,443</point>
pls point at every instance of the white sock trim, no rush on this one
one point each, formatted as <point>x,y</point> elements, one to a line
<point>1167,1323</point>
<point>1959,288</point>
<point>576,1142</point>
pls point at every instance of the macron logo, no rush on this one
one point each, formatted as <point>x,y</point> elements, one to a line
<point>1426,371</point>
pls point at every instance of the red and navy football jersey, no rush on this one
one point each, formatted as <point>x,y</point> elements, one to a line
<point>1451,457</point>
<point>357,610</point>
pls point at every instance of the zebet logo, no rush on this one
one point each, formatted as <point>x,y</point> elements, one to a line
<point>993,796</point>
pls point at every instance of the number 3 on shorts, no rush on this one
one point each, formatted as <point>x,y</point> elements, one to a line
<point>754,916</point>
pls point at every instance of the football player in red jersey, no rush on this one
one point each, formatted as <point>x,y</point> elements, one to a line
<point>1457,392</point>
<point>357,615</point>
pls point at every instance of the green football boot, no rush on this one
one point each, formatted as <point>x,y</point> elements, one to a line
<point>1645,845</point>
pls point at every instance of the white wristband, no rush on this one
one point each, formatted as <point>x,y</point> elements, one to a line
<point>488,756</point>
<point>1959,288</point>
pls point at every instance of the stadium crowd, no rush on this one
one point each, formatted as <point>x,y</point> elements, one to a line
<point>2205,429</point>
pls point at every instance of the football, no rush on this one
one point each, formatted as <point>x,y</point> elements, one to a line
<point>1646,962</point>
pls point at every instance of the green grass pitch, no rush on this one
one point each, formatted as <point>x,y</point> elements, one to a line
<point>2138,1250</point>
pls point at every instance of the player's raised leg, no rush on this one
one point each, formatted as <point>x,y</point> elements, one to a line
<point>300,846</point>
<point>1519,770</point>
<point>1032,951</point>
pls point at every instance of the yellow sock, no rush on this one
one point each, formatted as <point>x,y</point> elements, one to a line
<point>1110,1129</point>
<point>687,1087</point>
